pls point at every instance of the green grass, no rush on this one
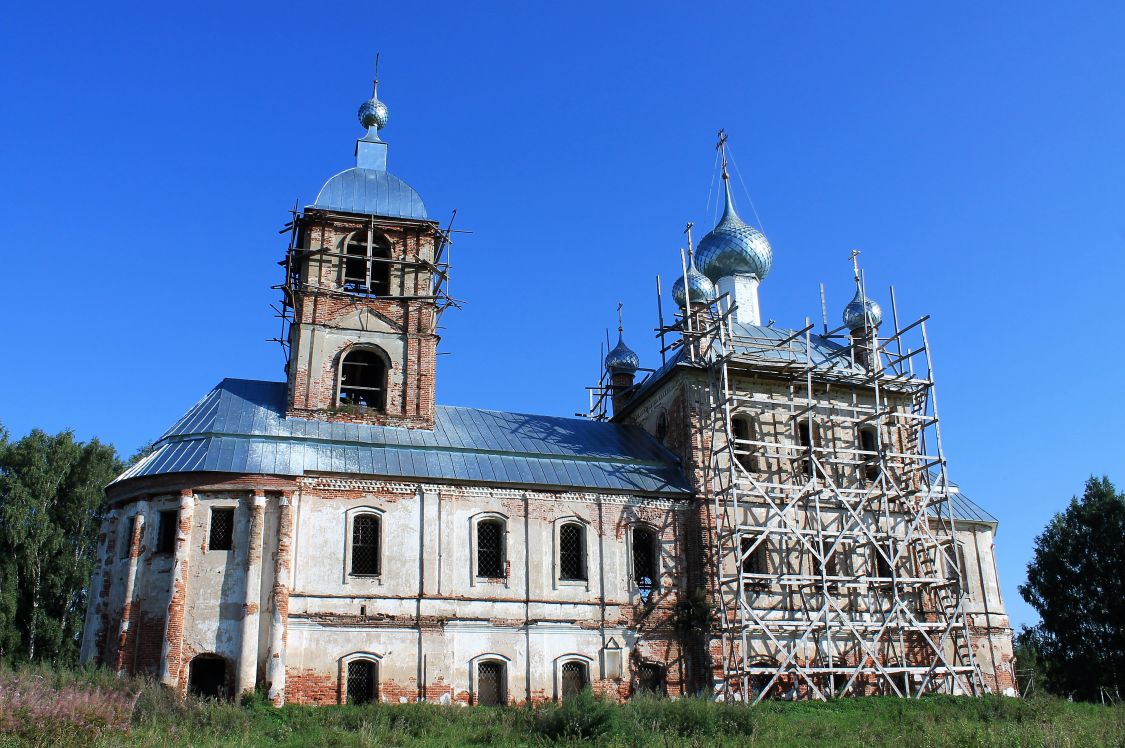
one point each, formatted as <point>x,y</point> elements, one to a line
<point>162,721</point>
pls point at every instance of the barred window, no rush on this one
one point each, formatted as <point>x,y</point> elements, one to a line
<point>367,266</point>
<point>166,531</point>
<point>572,552</point>
<point>491,689</point>
<point>365,544</point>
<point>363,683</point>
<point>650,679</point>
<point>753,562</point>
<point>644,560</point>
<point>575,677</point>
<point>363,379</point>
<point>221,537</point>
<point>490,548</point>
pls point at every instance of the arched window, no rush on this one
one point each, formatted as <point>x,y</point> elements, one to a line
<point>662,427</point>
<point>363,379</point>
<point>490,548</point>
<point>367,266</point>
<point>575,677</point>
<point>363,681</point>
<point>869,443</point>
<point>572,552</point>
<point>365,545</point>
<point>207,677</point>
<point>492,686</point>
<point>742,429</point>
<point>644,561</point>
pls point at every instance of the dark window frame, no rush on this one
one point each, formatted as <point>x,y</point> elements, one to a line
<point>220,529</point>
<point>362,687</point>
<point>491,548</point>
<point>645,560</point>
<point>498,671</point>
<point>372,393</point>
<point>168,521</point>
<point>366,556</point>
<point>572,553</point>
<point>574,677</point>
<point>365,267</point>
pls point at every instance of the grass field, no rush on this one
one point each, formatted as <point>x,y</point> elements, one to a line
<point>75,708</point>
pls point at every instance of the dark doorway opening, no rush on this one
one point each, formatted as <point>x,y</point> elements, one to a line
<point>207,677</point>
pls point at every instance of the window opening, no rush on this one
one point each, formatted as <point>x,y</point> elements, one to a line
<point>166,531</point>
<point>650,679</point>
<point>490,549</point>
<point>366,264</point>
<point>365,544</point>
<point>363,685</point>
<point>743,431</point>
<point>869,442</point>
<point>575,677</point>
<point>490,683</point>
<point>882,564</point>
<point>127,539</point>
<point>662,427</point>
<point>207,677</point>
<point>807,438</point>
<point>221,537</point>
<point>753,562</point>
<point>572,552</point>
<point>644,561</point>
<point>363,379</point>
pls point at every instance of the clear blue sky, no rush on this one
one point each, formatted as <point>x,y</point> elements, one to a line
<point>975,152</point>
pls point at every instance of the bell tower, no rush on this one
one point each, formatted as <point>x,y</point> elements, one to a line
<point>361,294</point>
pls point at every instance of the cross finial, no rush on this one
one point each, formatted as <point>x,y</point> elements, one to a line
<point>855,263</point>
<point>721,146</point>
<point>620,324</point>
<point>375,86</point>
<point>687,230</point>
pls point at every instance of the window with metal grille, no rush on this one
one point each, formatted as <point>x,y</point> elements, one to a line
<point>490,684</point>
<point>365,544</point>
<point>650,679</point>
<point>490,548</point>
<point>742,429</point>
<point>166,531</point>
<point>363,379</point>
<point>221,537</point>
<point>753,561</point>
<point>572,552</point>
<point>363,683</point>
<point>644,560</point>
<point>575,677</point>
<point>869,442</point>
<point>367,266</point>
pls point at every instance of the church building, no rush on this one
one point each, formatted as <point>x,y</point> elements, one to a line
<point>765,513</point>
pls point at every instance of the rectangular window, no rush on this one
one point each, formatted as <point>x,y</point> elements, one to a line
<point>221,537</point>
<point>490,549</point>
<point>753,562</point>
<point>127,537</point>
<point>365,545</point>
<point>166,531</point>
<point>572,552</point>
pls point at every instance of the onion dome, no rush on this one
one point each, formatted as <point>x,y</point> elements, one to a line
<point>733,247</point>
<point>373,114</point>
<point>699,287</point>
<point>862,312</point>
<point>622,359</point>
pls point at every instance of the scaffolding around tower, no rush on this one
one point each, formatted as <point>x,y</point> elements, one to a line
<point>437,294</point>
<point>830,535</point>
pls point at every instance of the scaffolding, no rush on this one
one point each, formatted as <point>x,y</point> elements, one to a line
<point>831,553</point>
<point>298,284</point>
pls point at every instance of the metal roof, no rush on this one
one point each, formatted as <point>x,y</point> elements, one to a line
<point>240,427</point>
<point>964,508</point>
<point>370,192</point>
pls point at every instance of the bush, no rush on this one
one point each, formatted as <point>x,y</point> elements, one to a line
<point>583,717</point>
<point>688,717</point>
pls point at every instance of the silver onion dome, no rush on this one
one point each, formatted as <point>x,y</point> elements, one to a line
<point>733,247</point>
<point>699,286</point>
<point>862,312</point>
<point>373,113</point>
<point>622,359</point>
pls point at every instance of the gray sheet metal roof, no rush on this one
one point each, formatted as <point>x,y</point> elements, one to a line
<point>964,508</point>
<point>371,192</point>
<point>240,427</point>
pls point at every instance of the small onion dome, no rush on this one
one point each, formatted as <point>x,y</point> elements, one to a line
<point>622,359</point>
<point>734,248</point>
<point>700,287</point>
<point>373,113</point>
<point>862,312</point>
